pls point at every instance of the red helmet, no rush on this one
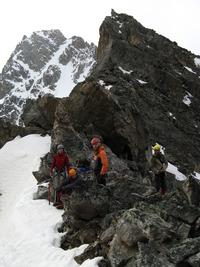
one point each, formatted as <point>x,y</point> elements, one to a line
<point>95,140</point>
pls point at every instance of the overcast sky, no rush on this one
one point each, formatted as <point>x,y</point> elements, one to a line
<point>178,20</point>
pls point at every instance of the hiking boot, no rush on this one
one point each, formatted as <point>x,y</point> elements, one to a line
<point>60,207</point>
<point>56,204</point>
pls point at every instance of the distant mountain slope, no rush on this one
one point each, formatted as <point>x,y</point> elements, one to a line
<point>45,63</point>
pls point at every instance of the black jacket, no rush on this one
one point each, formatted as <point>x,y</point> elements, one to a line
<point>70,183</point>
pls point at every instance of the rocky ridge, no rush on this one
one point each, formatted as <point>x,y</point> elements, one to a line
<point>143,90</point>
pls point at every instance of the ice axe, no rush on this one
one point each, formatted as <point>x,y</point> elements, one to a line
<point>49,193</point>
<point>50,189</point>
<point>55,196</point>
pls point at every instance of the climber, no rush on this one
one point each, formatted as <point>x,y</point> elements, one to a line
<point>58,166</point>
<point>100,161</point>
<point>159,165</point>
<point>67,187</point>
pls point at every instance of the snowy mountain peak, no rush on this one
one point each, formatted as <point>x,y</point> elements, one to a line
<point>45,63</point>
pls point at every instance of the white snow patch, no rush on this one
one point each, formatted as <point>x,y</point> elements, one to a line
<point>108,87</point>
<point>197,61</point>
<point>45,35</point>
<point>186,99</point>
<point>28,228</point>
<point>174,170</point>
<point>102,83</point>
<point>64,86</point>
<point>126,71</point>
<point>171,115</point>
<point>197,175</point>
<point>189,69</point>
<point>140,81</point>
<point>120,24</point>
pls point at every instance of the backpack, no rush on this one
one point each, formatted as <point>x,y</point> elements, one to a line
<point>83,163</point>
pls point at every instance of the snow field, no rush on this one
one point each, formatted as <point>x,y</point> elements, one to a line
<point>28,228</point>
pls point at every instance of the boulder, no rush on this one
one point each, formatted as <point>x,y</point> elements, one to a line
<point>40,112</point>
<point>42,193</point>
<point>88,201</point>
<point>119,253</point>
<point>137,226</point>
<point>9,131</point>
<point>191,188</point>
<point>150,254</point>
<point>193,260</point>
<point>185,249</point>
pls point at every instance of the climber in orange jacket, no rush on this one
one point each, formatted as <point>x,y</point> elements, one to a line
<point>100,161</point>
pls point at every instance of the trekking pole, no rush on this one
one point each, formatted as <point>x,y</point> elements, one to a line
<point>49,193</point>
<point>55,196</point>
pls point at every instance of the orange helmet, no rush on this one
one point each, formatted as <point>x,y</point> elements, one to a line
<point>72,172</point>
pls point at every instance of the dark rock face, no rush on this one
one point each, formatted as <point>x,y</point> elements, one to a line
<point>40,112</point>
<point>9,131</point>
<point>161,64</point>
<point>152,232</point>
<point>191,189</point>
<point>94,203</point>
<point>38,118</point>
<point>143,90</point>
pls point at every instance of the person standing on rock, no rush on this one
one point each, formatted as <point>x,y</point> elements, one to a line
<point>159,165</point>
<point>100,161</point>
<point>58,167</point>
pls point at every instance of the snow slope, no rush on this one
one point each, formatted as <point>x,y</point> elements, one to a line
<point>28,228</point>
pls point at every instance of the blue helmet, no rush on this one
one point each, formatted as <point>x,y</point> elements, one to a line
<point>60,146</point>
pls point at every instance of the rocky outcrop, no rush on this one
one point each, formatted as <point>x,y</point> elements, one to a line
<point>152,232</point>
<point>143,90</point>
<point>151,74</point>
<point>191,188</point>
<point>9,131</point>
<point>40,113</point>
<point>38,118</point>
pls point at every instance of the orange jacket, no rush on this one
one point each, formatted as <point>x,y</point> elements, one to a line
<point>101,161</point>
